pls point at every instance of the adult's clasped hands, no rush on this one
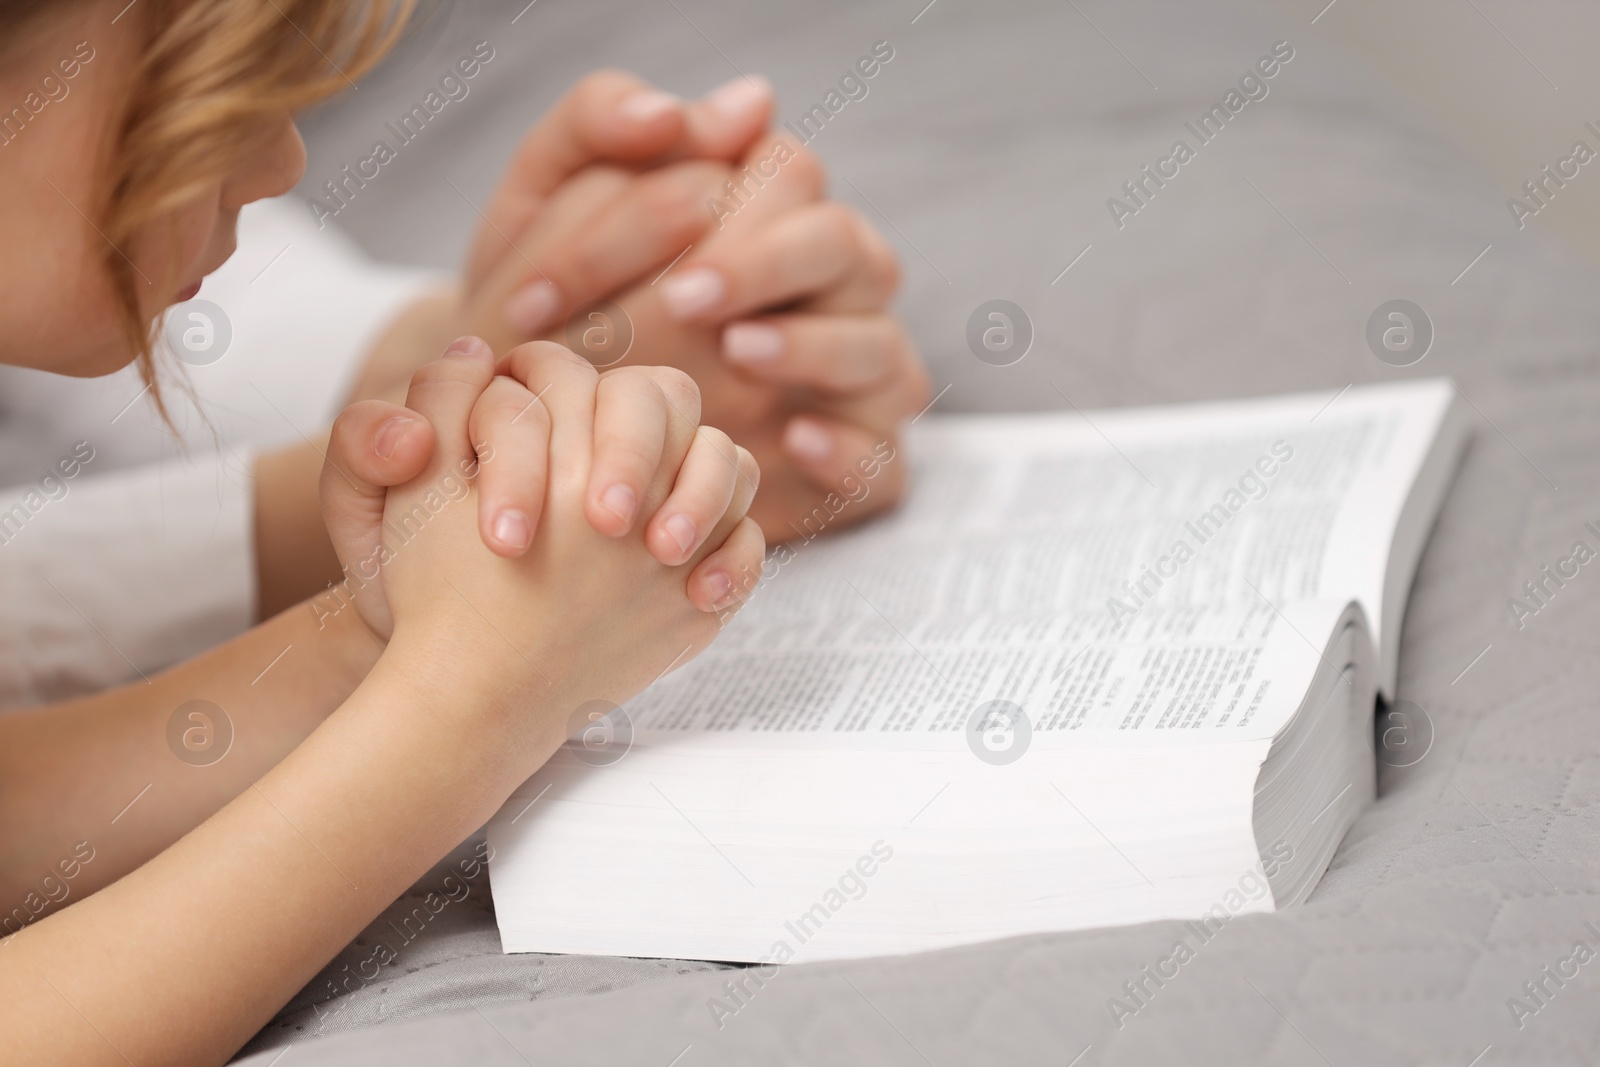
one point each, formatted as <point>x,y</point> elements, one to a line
<point>638,228</point>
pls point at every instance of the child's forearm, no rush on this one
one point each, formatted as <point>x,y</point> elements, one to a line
<point>121,775</point>
<point>185,958</point>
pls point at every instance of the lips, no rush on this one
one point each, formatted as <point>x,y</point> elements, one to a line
<point>230,238</point>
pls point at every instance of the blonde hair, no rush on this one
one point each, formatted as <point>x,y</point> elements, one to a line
<point>210,73</point>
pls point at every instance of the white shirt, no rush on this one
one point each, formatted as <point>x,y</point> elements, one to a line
<point>144,556</point>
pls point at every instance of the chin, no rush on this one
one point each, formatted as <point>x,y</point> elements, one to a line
<point>107,358</point>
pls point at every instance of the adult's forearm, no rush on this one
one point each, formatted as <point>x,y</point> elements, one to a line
<point>222,928</point>
<point>125,773</point>
<point>418,334</point>
<point>294,559</point>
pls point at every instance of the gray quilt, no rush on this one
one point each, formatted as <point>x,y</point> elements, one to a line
<point>1458,921</point>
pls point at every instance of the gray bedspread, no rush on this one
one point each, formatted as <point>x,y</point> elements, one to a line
<point>1447,928</point>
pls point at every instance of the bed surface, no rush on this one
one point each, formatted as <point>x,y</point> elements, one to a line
<point>986,151</point>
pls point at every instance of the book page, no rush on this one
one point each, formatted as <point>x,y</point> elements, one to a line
<point>1023,516</point>
<point>1122,573</point>
<point>1229,673</point>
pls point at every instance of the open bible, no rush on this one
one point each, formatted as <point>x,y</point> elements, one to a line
<point>1097,669</point>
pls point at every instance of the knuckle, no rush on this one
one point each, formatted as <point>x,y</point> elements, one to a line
<point>880,265</point>
<point>663,198</point>
<point>758,540</point>
<point>509,409</point>
<point>917,391</point>
<point>892,473</point>
<point>921,386</point>
<point>681,390</point>
<point>632,460</point>
<point>601,85</point>
<point>807,173</point>
<point>835,223</point>
<point>885,275</point>
<point>717,439</point>
<point>442,372</point>
<point>832,235</point>
<point>523,358</point>
<point>582,269</point>
<point>345,424</point>
<point>748,545</point>
<point>875,355</point>
<point>906,386</point>
<point>450,382</point>
<point>892,488</point>
<point>677,194</point>
<point>564,360</point>
<point>749,469</point>
<point>547,361</point>
<point>625,375</point>
<point>632,382</point>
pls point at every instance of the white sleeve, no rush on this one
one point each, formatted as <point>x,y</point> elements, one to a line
<point>107,578</point>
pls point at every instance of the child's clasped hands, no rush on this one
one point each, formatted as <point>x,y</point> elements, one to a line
<point>572,535</point>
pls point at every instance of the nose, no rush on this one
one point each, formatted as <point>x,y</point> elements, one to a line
<point>271,169</point>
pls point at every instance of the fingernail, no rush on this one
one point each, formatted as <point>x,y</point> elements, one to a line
<point>739,96</point>
<point>752,342</point>
<point>620,501</point>
<point>647,105</point>
<point>808,441</point>
<point>389,435</point>
<point>720,586</point>
<point>681,531</point>
<point>463,348</point>
<point>694,292</point>
<point>533,307</point>
<point>511,529</point>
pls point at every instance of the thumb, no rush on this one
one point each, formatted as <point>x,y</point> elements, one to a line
<point>373,445</point>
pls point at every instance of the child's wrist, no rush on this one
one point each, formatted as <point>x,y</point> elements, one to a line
<point>495,689</point>
<point>356,647</point>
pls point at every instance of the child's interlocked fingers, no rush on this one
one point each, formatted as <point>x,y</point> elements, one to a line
<point>636,409</point>
<point>510,433</point>
<point>701,495</point>
<point>729,573</point>
<point>647,433</point>
<point>636,433</point>
<point>595,608</point>
<point>372,445</point>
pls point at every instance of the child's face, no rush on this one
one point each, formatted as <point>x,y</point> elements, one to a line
<point>58,308</point>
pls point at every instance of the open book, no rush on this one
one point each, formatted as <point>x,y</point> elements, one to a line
<point>1098,669</point>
